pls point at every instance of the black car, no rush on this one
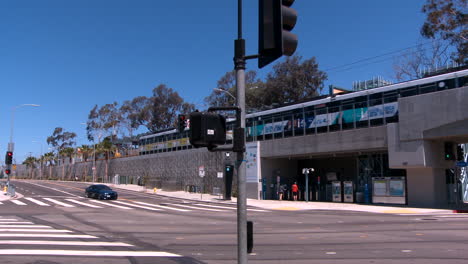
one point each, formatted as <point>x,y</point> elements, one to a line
<point>101,192</point>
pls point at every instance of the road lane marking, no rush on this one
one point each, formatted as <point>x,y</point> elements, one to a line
<point>64,243</point>
<point>34,230</point>
<point>216,206</point>
<point>17,202</point>
<point>113,205</point>
<point>26,226</point>
<point>85,204</point>
<point>58,202</point>
<point>30,223</point>
<point>139,206</point>
<point>74,195</point>
<point>36,201</point>
<point>164,207</point>
<point>87,253</point>
<point>198,208</point>
<point>47,235</point>
<point>232,208</point>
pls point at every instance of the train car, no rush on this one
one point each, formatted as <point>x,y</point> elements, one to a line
<point>365,108</point>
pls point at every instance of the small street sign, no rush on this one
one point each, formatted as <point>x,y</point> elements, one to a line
<point>462,164</point>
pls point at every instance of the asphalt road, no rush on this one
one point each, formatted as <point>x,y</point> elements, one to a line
<point>54,223</point>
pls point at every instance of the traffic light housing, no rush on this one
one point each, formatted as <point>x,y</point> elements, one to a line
<point>207,129</point>
<point>460,153</point>
<point>7,171</point>
<point>276,20</point>
<point>448,151</point>
<point>9,158</point>
<point>182,123</point>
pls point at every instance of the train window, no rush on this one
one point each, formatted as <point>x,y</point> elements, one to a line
<point>409,91</point>
<point>428,88</point>
<point>361,115</point>
<point>298,124</point>
<point>321,120</point>
<point>334,118</point>
<point>287,124</point>
<point>348,116</point>
<point>268,128</point>
<point>309,120</point>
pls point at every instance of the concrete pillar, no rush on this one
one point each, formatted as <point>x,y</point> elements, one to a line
<point>426,187</point>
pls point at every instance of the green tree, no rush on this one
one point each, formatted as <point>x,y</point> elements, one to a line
<point>228,83</point>
<point>61,139</point>
<point>132,112</point>
<point>30,163</point>
<point>446,20</point>
<point>163,107</point>
<point>107,149</point>
<point>103,121</point>
<point>293,80</point>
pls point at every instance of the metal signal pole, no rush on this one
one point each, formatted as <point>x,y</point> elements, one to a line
<point>239,65</point>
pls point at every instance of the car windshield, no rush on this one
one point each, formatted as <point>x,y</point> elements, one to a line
<point>103,187</point>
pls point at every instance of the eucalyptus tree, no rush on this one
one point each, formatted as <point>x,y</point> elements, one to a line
<point>162,109</point>
<point>133,112</point>
<point>103,121</point>
<point>61,139</point>
<point>447,20</point>
<point>293,80</point>
<point>224,94</point>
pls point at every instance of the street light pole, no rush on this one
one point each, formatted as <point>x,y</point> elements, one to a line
<point>10,144</point>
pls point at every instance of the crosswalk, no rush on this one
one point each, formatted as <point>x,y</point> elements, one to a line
<point>28,238</point>
<point>124,205</point>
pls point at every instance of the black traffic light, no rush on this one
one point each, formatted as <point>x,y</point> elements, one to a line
<point>207,129</point>
<point>9,158</point>
<point>228,176</point>
<point>448,151</point>
<point>182,122</point>
<point>460,153</point>
<point>7,171</point>
<point>276,20</point>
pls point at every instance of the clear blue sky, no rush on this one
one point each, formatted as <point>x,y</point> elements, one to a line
<point>68,56</point>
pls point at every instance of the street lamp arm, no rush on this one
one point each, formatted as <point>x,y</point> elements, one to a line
<point>225,91</point>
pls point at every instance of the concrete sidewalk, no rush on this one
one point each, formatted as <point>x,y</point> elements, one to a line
<point>288,205</point>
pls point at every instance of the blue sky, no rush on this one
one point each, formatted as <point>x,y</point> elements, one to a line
<point>68,56</point>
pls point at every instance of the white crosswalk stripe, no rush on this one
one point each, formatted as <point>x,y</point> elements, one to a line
<point>139,206</point>
<point>164,207</point>
<point>17,202</point>
<point>36,201</point>
<point>198,208</point>
<point>39,232</point>
<point>85,204</point>
<point>113,205</point>
<point>58,202</point>
<point>231,208</point>
<point>127,204</point>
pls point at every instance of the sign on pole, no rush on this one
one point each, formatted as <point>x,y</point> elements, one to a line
<point>201,171</point>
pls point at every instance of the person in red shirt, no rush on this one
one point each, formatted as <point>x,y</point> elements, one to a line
<point>295,190</point>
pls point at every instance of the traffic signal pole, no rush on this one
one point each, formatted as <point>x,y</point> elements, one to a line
<point>239,65</point>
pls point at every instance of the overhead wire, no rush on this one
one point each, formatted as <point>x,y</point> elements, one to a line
<point>339,68</point>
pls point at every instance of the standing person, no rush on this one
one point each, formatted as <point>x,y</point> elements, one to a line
<point>295,190</point>
<point>281,192</point>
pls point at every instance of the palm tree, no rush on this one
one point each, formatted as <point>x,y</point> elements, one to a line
<point>30,163</point>
<point>48,158</point>
<point>106,147</point>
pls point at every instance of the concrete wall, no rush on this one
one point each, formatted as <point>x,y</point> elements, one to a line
<point>365,139</point>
